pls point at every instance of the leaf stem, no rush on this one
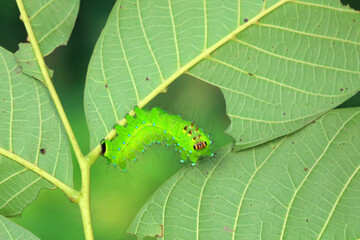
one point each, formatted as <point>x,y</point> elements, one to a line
<point>69,191</point>
<point>45,73</point>
<point>84,200</point>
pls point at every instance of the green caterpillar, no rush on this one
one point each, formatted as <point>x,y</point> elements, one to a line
<point>156,126</point>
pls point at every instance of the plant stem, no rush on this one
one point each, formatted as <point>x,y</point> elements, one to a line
<point>84,200</point>
<point>45,74</point>
<point>69,191</point>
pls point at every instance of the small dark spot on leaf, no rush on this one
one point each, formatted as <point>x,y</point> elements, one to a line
<point>307,220</point>
<point>246,20</point>
<point>147,78</point>
<point>313,122</point>
<point>346,89</point>
<point>332,102</point>
<point>3,111</point>
<point>250,204</point>
<point>227,229</point>
<point>250,74</point>
<point>306,169</point>
<point>106,85</point>
<point>3,99</point>
<point>341,89</point>
<point>343,143</point>
<point>18,69</point>
<point>248,58</point>
<point>333,43</point>
<point>43,151</point>
<point>284,114</point>
<point>292,143</point>
<point>354,20</point>
<point>274,147</point>
<point>207,173</point>
<point>240,139</point>
<point>120,6</point>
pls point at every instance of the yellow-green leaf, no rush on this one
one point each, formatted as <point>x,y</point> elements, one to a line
<point>280,64</point>
<point>302,186</point>
<point>52,22</point>
<point>30,128</point>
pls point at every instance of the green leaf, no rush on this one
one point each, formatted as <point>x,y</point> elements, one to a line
<point>302,186</point>
<point>11,231</point>
<point>27,60</point>
<point>280,64</point>
<point>52,22</point>
<point>31,128</point>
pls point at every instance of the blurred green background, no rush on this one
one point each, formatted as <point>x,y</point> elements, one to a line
<point>116,197</point>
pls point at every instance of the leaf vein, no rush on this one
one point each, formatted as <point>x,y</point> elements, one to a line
<point>105,78</point>
<point>11,104</point>
<point>18,193</point>
<point>148,42</point>
<point>306,33</point>
<point>248,184</point>
<point>175,37</point>
<point>342,191</point>
<point>124,54</point>
<point>202,191</point>
<point>296,60</point>
<point>58,25</point>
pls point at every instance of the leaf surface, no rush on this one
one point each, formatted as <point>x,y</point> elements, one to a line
<point>302,186</point>
<point>52,22</point>
<point>280,64</point>
<point>11,231</point>
<point>30,128</point>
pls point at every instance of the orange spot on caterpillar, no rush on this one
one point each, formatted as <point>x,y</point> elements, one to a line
<point>186,128</point>
<point>197,137</point>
